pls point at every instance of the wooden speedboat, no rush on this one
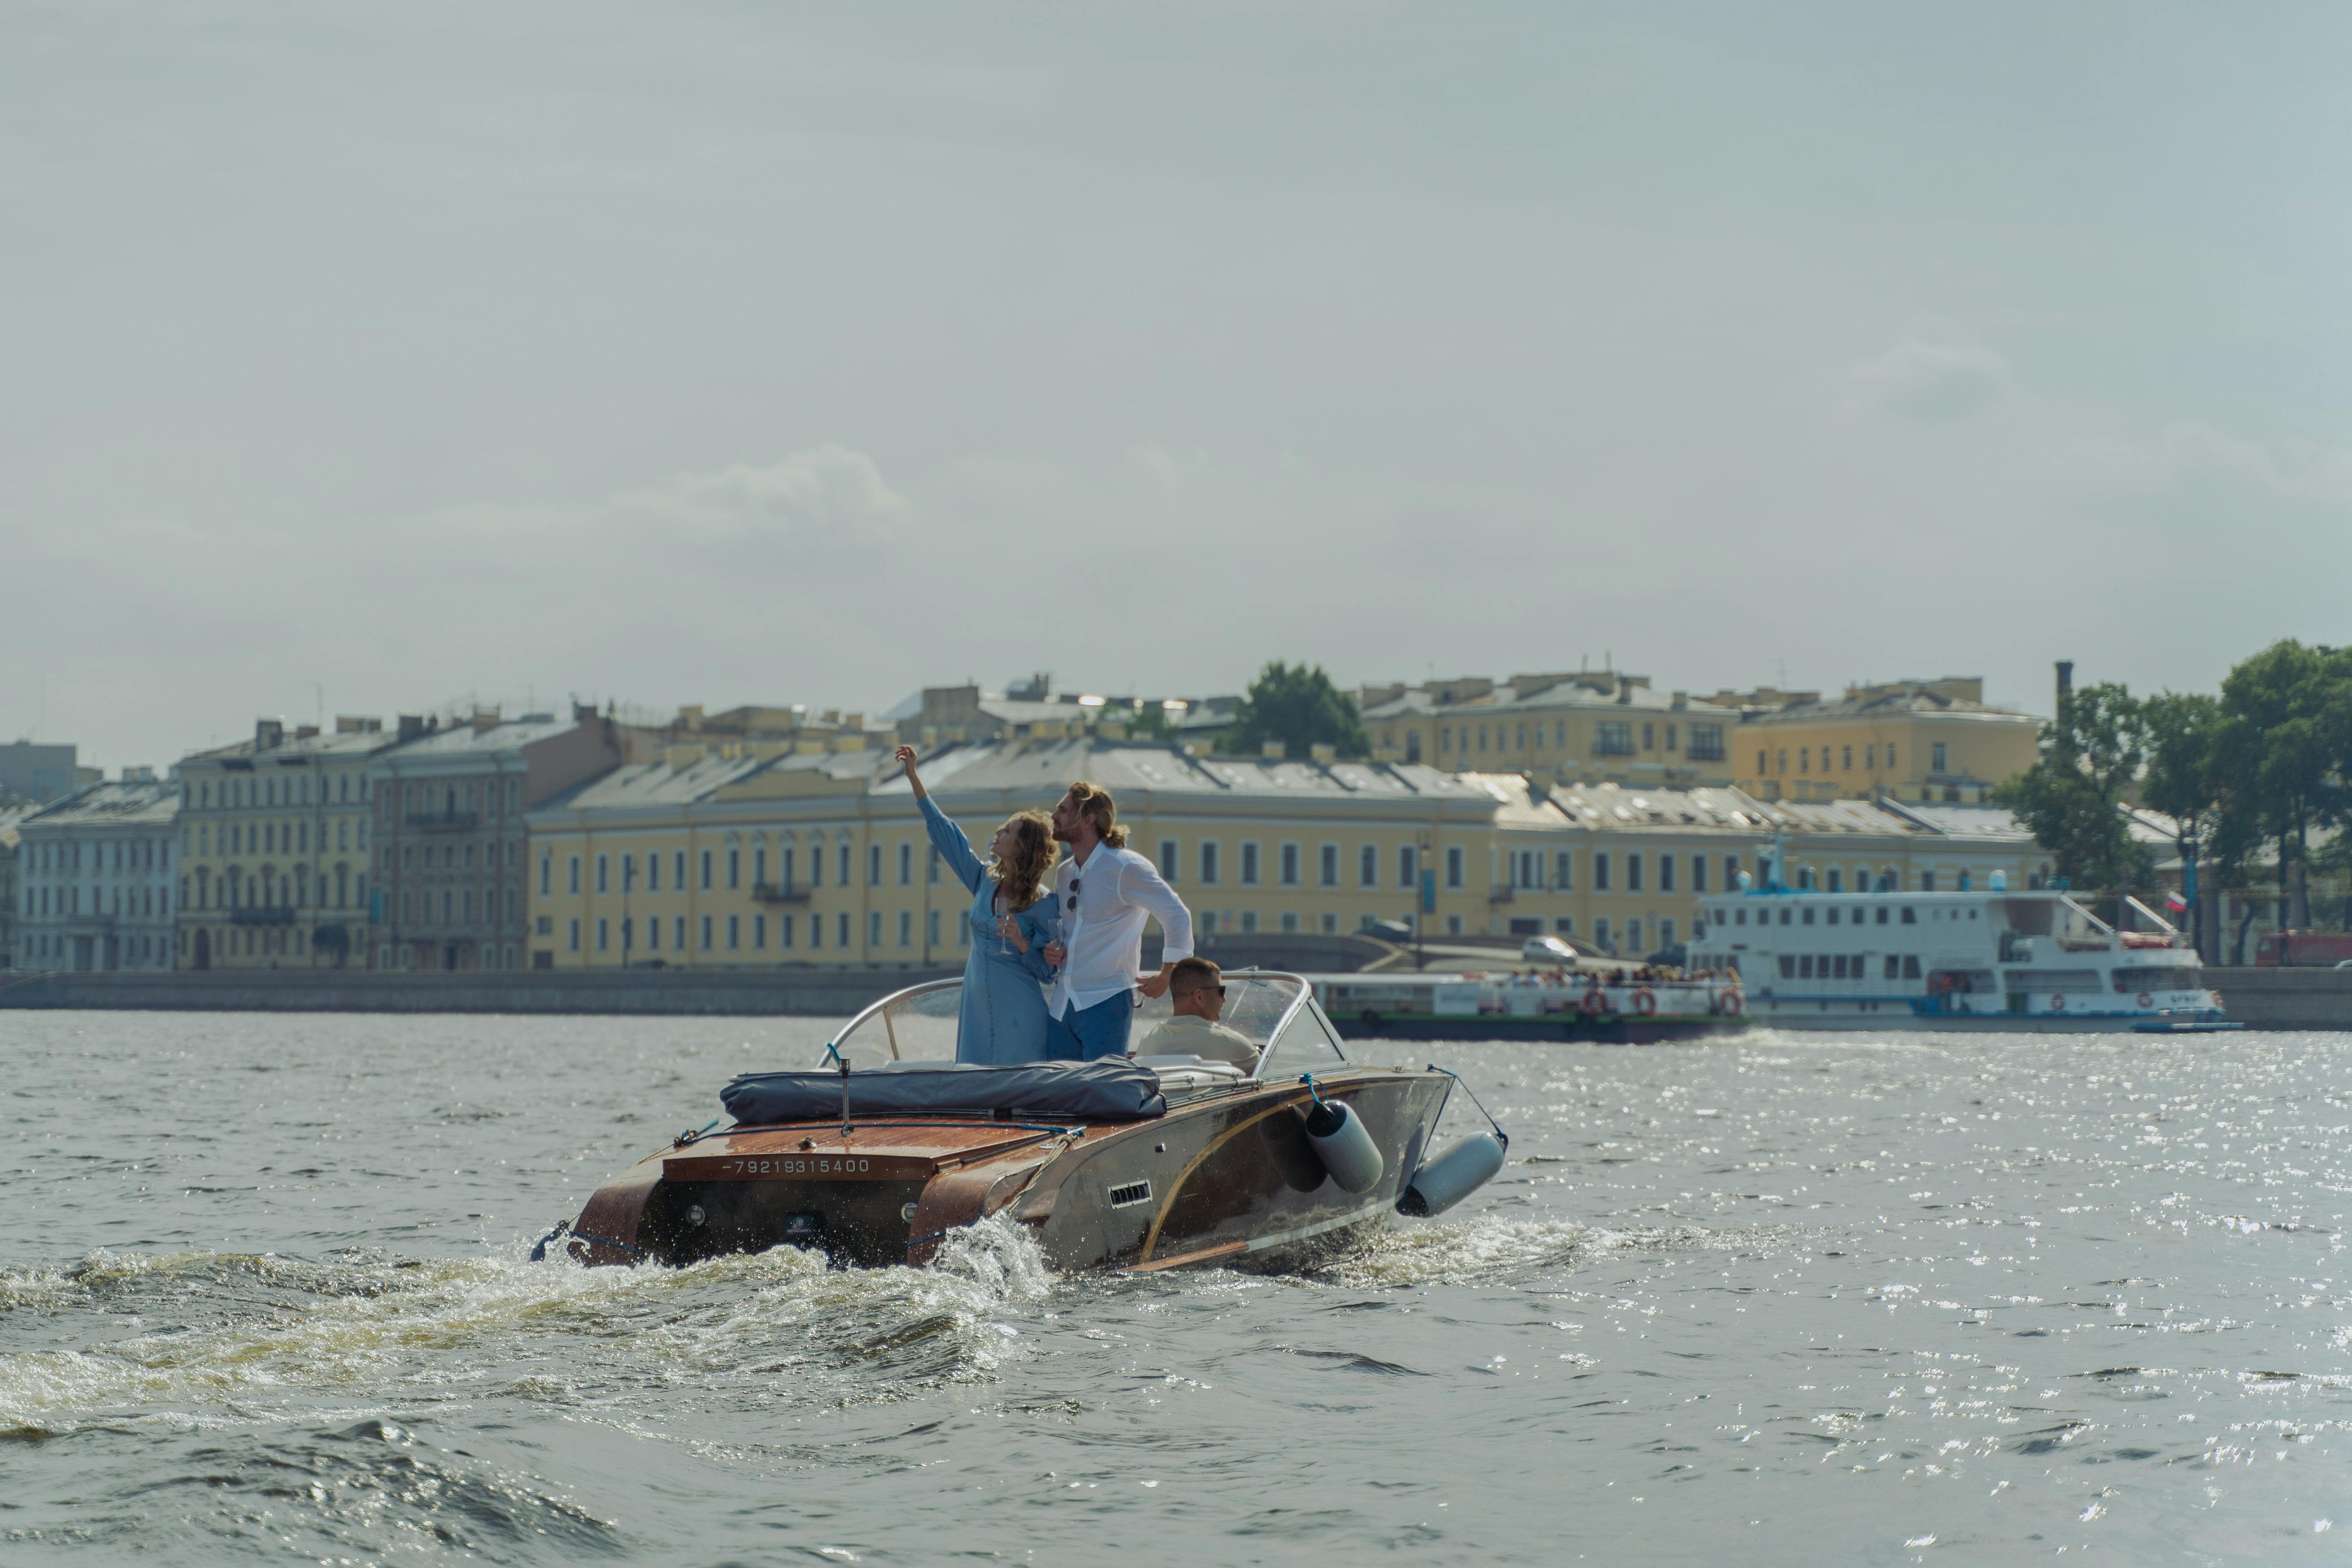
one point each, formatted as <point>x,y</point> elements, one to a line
<point>1138,1163</point>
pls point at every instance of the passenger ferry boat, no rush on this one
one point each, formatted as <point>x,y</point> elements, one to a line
<point>1597,1006</point>
<point>1993,960</point>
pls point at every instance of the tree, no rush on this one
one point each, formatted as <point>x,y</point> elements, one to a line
<point>2072,798</point>
<point>1300,708</point>
<point>2280,755</point>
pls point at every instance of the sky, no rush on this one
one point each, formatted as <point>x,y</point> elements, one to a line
<point>369,358</point>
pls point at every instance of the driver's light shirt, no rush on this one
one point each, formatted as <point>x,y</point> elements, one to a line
<point>1102,925</point>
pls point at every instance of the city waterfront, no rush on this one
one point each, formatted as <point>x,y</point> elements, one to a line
<point>264,1289</point>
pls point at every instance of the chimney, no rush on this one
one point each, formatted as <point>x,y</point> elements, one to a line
<point>268,733</point>
<point>2065,682</point>
<point>306,731</point>
<point>412,725</point>
<point>485,719</point>
<point>583,712</point>
<point>1680,701</point>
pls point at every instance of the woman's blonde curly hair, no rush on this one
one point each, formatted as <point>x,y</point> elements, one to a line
<point>1023,877</point>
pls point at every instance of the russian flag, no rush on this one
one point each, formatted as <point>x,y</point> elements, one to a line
<point>2176,903</point>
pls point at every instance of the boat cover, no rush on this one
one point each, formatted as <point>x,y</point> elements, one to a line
<point>1114,1089</point>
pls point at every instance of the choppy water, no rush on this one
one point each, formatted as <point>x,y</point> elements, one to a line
<point>263,1295</point>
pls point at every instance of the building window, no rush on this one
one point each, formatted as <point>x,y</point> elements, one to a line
<point>1698,873</point>
<point>628,935</point>
<point>1939,758</point>
<point>1208,863</point>
<point>1891,763</point>
<point>1454,925</point>
<point>1601,870</point>
<point>783,930</point>
<point>873,929</point>
<point>1455,869</point>
<point>603,874</point>
<point>734,867</point>
<point>1327,866</point>
<point>906,867</point>
<point>874,864</point>
<point>705,875</point>
<point>932,928</point>
<point>706,927</point>
<point>906,928</point>
<point>1249,864</point>
<point>1408,865</point>
<point>1611,738</point>
<point>1563,871</point>
<point>817,930</point>
<point>1564,926</point>
<point>841,864</point>
<point>1633,874</point>
<point>1367,866</point>
<point>603,936</point>
<point>546,875</point>
<point>1168,860</point>
<point>1633,937</point>
<point>1290,864</point>
<point>1706,743</point>
<point>1667,875</point>
<point>1666,932</point>
<point>1836,885</point>
<point>1648,741</point>
<point>677,869</point>
<point>575,935</point>
<point>653,932</point>
<point>1845,758</point>
<point>1290,920</point>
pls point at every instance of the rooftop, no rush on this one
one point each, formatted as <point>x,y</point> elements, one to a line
<point>139,804</point>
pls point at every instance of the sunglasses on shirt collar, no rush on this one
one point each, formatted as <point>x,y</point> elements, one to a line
<point>1074,891</point>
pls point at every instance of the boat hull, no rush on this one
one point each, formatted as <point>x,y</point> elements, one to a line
<point>1631,1030</point>
<point>1225,1177</point>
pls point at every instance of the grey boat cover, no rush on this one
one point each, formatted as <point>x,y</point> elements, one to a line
<point>1113,1088</point>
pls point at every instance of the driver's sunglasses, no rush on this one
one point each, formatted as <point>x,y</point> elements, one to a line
<point>1196,990</point>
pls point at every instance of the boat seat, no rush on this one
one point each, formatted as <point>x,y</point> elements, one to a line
<point>1184,1074</point>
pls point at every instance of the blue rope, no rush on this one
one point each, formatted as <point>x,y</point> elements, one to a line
<point>1474,1100</point>
<point>1313,1093</point>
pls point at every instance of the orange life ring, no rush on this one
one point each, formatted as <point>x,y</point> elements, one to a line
<point>2145,1000</point>
<point>1594,1004</point>
<point>2058,1004</point>
<point>1729,1005</point>
<point>1645,1001</point>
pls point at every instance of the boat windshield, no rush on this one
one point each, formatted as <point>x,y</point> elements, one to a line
<point>919,1024</point>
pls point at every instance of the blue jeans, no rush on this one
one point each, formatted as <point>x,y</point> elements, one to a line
<point>1084,1034</point>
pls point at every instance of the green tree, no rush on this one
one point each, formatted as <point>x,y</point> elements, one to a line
<point>2280,757</point>
<point>1300,708</point>
<point>2072,798</point>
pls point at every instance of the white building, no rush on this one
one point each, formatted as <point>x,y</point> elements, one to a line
<point>94,882</point>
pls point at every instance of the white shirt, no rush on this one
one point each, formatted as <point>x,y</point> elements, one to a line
<point>1102,925</point>
<point>1189,1034</point>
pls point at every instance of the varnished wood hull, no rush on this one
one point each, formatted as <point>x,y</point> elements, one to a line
<point>1226,1178</point>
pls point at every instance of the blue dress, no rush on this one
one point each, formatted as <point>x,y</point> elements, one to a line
<point>1004,1015</point>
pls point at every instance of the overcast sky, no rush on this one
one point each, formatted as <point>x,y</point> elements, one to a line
<point>359,358</point>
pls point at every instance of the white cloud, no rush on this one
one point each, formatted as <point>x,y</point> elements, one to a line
<point>1934,381</point>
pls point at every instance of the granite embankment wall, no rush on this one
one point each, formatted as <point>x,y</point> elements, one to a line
<point>2285,998</point>
<point>813,992</point>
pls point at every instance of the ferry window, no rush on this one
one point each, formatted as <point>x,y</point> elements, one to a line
<point>1838,965</point>
<point>1972,914</point>
<point>1882,914</point>
<point>1833,915</point>
<point>1893,966</point>
<point>1784,917</point>
<point>1861,966</point>
<point>1809,917</point>
<point>1910,966</point>
<point>1805,966</point>
<point>1739,917</point>
<point>1910,915</point>
<point>1788,967</point>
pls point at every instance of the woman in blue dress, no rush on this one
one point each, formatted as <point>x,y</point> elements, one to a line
<point>1012,920</point>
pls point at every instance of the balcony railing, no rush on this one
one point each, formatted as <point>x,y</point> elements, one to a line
<point>1501,893</point>
<point>262,915</point>
<point>779,893</point>
<point>445,821</point>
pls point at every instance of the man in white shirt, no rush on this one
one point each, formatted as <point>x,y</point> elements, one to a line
<point>1196,990</point>
<point>1104,892</point>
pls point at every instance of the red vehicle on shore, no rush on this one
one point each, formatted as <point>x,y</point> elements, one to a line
<point>2303,950</point>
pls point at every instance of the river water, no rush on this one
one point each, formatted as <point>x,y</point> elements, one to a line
<point>264,1295</point>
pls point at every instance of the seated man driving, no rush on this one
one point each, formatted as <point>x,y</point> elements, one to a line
<point>1196,990</point>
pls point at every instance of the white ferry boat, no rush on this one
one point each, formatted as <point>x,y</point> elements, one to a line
<point>1605,1005</point>
<point>1991,959</point>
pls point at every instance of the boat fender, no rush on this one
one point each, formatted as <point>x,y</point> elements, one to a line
<point>1448,1178</point>
<point>1731,1003</point>
<point>1337,1135</point>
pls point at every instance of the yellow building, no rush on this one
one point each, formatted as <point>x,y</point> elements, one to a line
<point>1593,726</point>
<point>274,849</point>
<point>1909,741</point>
<point>734,861</point>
